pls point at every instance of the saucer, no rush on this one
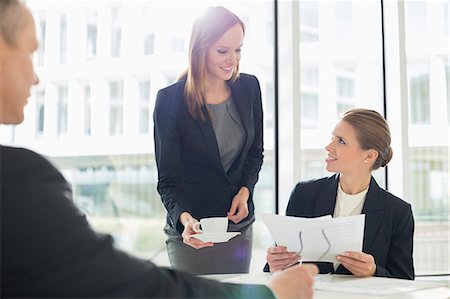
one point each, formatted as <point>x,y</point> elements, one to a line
<point>216,237</point>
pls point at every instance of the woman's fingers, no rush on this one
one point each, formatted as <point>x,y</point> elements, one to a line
<point>196,243</point>
<point>359,263</point>
<point>279,258</point>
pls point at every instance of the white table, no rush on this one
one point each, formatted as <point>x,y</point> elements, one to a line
<point>440,289</point>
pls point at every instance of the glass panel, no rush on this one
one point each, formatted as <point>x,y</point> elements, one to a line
<point>149,43</point>
<point>427,68</point>
<point>341,68</point>
<point>40,113</point>
<point>115,108</point>
<point>116,32</point>
<point>91,32</point>
<point>309,21</point>
<point>63,39</point>
<point>419,93</point>
<point>144,107</point>
<point>113,175</point>
<point>40,31</point>
<point>87,111</point>
<point>63,93</point>
<point>447,81</point>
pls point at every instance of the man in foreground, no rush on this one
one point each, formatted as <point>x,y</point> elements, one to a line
<point>48,248</point>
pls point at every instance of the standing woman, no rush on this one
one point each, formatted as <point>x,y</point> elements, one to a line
<point>360,144</point>
<point>209,147</point>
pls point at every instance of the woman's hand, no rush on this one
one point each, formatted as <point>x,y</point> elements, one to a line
<point>359,263</point>
<point>279,258</point>
<point>188,221</point>
<point>239,206</point>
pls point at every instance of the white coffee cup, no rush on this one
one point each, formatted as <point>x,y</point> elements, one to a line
<point>212,225</point>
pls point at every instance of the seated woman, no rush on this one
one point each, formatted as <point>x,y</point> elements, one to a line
<point>360,143</point>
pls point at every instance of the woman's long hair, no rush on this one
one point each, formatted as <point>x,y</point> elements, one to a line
<point>207,29</point>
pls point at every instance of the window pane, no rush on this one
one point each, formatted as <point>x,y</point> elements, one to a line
<point>116,32</point>
<point>62,110</point>
<point>427,69</point>
<point>40,113</point>
<point>63,39</point>
<point>87,111</point>
<point>116,108</point>
<point>91,35</point>
<point>40,31</point>
<point>144,107</point>
<point>340,69</point>
<point>132,51</point>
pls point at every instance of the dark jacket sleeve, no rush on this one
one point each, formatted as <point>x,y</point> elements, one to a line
<point>48,249</point>
<point>253,162</point>
<point>168,154</point>
<point>399,262</point>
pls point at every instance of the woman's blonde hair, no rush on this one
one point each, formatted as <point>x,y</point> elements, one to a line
<point>207,29</point>
<point>372,132</point>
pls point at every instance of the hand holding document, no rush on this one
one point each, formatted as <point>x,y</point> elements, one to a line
<point>317,239</point>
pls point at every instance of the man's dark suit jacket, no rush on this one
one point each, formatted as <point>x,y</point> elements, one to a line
<point>389,224</point>
<point>191,177</point>
<point>49,250</point>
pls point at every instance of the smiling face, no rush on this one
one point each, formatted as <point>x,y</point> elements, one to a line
<point>345,154</point>
<point>222,58</point>
<point>16,71</point>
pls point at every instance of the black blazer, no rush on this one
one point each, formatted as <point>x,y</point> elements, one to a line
<point>190,173</point>
<point>48,249</point>
<point>389,224</point>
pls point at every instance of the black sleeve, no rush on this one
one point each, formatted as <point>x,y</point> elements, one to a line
<point>294,205</point>
<point>253,162</point>
<point>399,262</point>
<point>49,250</point>
<point>168,157</point>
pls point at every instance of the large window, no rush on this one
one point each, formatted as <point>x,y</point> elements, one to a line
<point>333,60</point>
<point>97,123</point>
<point>92,113</point>
<point>427,60</point>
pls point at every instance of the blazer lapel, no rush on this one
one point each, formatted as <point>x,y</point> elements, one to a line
<point>373,209</point>
<point>210,139</point>
<point>327,197</point>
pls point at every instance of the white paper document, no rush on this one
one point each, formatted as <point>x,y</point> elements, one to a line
<point>260,278</point>
<point>317,239</point>
<point>372,285</point>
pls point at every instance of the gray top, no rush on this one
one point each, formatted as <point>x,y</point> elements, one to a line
<point>230,133</point>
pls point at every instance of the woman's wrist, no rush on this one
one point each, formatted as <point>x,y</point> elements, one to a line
<point>245,191</point>
<point>185,217</point>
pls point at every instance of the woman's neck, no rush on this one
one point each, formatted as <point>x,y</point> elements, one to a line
<point>354,185</point>
<point>217,92</point>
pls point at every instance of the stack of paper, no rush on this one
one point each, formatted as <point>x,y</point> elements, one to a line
<point>317,239</point>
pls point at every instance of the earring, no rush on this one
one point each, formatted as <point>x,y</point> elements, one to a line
<point>365,161</point>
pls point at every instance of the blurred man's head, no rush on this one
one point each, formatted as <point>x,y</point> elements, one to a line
<point>18,42</point>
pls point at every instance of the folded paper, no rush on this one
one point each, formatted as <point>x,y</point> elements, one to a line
<point>317,239</point>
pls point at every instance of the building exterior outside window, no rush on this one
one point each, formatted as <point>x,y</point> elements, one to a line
<point>92,113</point>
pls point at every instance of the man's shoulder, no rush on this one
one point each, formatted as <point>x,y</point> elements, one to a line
<point>8,152</point>
<point>19,161</point>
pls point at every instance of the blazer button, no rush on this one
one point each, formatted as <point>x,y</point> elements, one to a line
<point>225,187</point>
